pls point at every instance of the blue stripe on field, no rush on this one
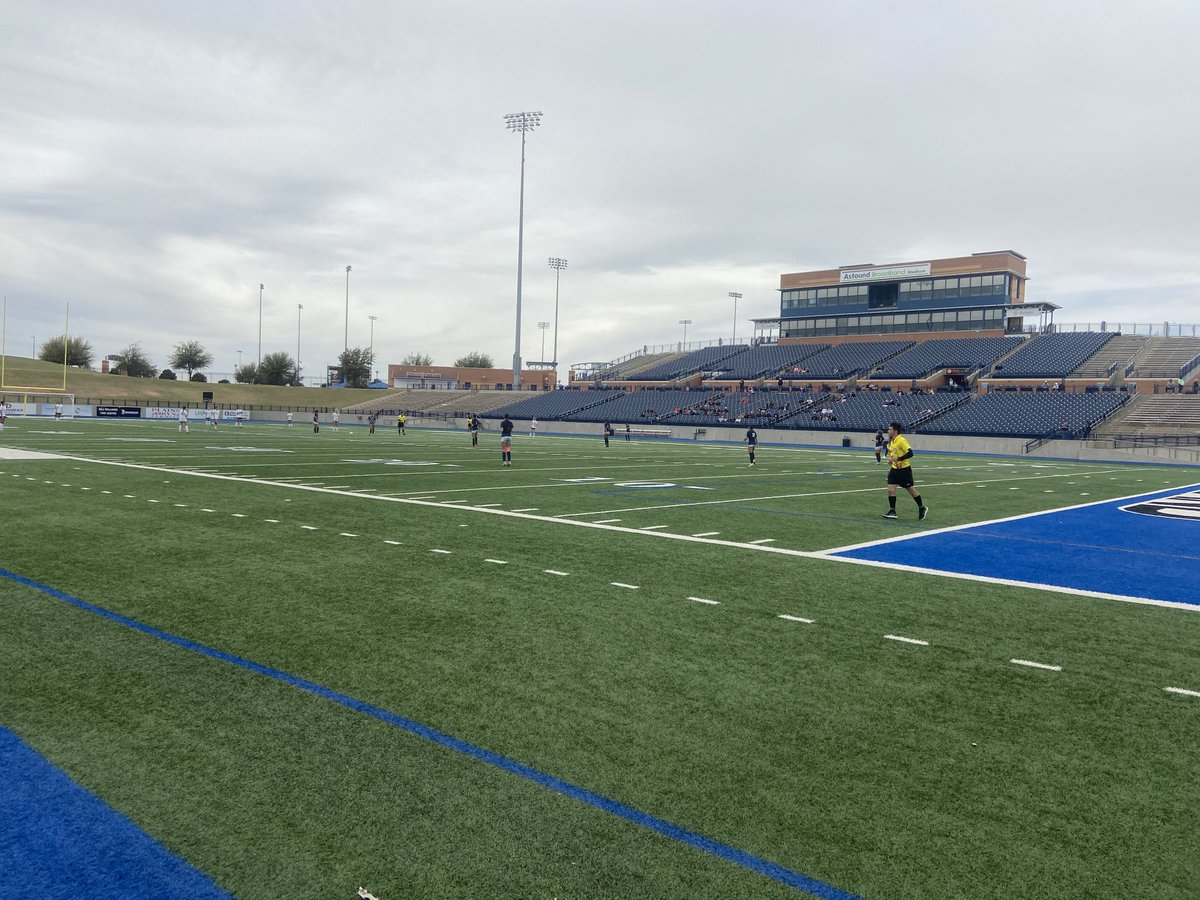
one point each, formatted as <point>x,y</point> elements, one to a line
<point>1098,547</point>
<point>59,840</point>
<point>726,852</point>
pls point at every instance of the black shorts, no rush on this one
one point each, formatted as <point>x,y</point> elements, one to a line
<point>901,477</point>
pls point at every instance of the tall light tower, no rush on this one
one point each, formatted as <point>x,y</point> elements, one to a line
<point>372,318</point>
<point>260,293</point>
<point>557,265</point>
<point>685,323</point>
<point>520,122</point>
<point>299,309</point>
<point>543,326</point>
<point>346,341</point>
<point>736,297</point>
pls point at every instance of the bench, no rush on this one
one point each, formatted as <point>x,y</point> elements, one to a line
<point>650,432</point>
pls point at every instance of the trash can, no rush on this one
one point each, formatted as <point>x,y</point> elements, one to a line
<point>845,442</point>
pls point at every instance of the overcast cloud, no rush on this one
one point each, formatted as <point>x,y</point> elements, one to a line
<point>159,160</point>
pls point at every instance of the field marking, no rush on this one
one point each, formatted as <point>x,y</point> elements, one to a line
<point>702,600</point>
<point>346,534</point>
<point>393,543</point>
<point>443,552</point>
<point>310,527</point>
<point>1036,665</point>
<point>487,505</point>
<point>498,562</point>
<point>826,555</point>
<point>663,827</point>
<point>237,515</point>
<point>906,640</point>
<point>527,509</point>
<point>707,534</point>
<point>1184,691</point>
<point>555,572</point>
<point>272,521</point>
<point>763,541</point>
<point>606,521</point>
<point>797,619</point>
<point>621,584</point>
<point>652,527</point>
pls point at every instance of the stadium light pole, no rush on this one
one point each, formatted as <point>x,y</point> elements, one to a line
<point>239,359</point>
<point>736,297</point>
<point>299,309</point>
<point>260,293</point>
<point>346,341</point>
<point>543,326</point>
<point>521,122</point>
<point>557,265</point>
<point>685,323</point>
<point>372,351</point>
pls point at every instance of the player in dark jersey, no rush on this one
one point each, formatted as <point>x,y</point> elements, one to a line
<point>751,442</point>
<point>880,445</point>
<point>506,430</point>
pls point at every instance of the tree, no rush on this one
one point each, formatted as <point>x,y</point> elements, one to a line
<point>168,375</point>
<point>79,352</point>
<point>356,366</point>
<point>190,355</point>
<point>133,361</point>
<point>475,361</point>
<point>277,368</point>
<point>417,359</point>
<point>247,374</point>
<point>198,376</point>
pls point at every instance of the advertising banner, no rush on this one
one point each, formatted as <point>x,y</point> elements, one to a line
<point>119,412</point>
<point>886,273</point>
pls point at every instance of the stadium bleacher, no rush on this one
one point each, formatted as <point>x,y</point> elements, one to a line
<point>870,410</point>
<point>550,405</point>
<point>931,356</point>
<point>764,361</point>
<point>844,360</point>
<point>1052,355</point>
<point>1028,415</point>
<point>702,360</point>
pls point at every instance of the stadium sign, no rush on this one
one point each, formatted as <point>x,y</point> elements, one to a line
<point>119,412</point>
<point>886,273</point>
<point>1179,506</point>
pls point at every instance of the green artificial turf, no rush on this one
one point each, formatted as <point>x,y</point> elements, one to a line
<point>883,768</point>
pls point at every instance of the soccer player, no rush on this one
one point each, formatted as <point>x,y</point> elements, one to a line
<point>400,423</point>
<point>371,423</point>
<point>290,418</point>
<point>473,427</point>
<point>238,415</point>
<point>183,422</point>
<point>58,410</point>
<point>316,422</point>
<point>533,427</point>
<point>506,430</point>
<point>900,474</point>
<point>607,431</point>
<point>335,418</point>
<point>751,442</point>
<point>880,446</point>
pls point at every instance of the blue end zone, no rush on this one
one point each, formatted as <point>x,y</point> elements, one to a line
<point>1153,554</point>
<point>58,840</point>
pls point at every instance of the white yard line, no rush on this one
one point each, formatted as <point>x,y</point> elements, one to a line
<point>443,552</point>
<point>796,619</point>
<point>906,640</point>
<point>498,562</point>
<point>1184,691</point>
<point>555,572</point>
<point>653,527</point>
<point>1035,665</point>
<point>702,600</point>
<point>763,541</point>
<point>621,584</point>
<point>393,543</point>
<point>707,534</point>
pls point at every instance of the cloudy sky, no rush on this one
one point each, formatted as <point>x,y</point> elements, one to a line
<point>159,160</point>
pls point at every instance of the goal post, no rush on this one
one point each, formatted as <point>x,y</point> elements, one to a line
<point>22,402</point>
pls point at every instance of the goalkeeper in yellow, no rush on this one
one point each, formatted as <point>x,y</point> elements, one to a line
<point>900,473</point>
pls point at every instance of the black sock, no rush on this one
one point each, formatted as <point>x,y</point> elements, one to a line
<point>892,502</point>
<point>918,500</point>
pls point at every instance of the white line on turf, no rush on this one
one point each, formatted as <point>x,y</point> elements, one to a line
<point>346,534</point>
<point>605,521</point>
<point>206,509</point>
<point>309,527</point>
<point>555,572</point>
<point>443,552</point>
<point>393,543</point>
<point>1035,665</point>
<point>527,509</point>
<point>763,541</point>
<point>702,600</point>
<point>654,527</point>
<point>488,505</point>
<point>797,619</point>
<point>1184,691</point>
<point>621,584</point>
<point>498,562</point>
<point>707,534</point>
<point>906,640</point>
<point>272,521</point>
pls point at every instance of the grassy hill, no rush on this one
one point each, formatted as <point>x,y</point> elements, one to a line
<point>22,373</point>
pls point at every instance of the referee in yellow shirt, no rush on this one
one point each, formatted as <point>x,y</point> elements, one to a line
<point>900,474</point>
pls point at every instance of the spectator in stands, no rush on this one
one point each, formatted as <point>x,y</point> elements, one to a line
<point>900,472</point>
